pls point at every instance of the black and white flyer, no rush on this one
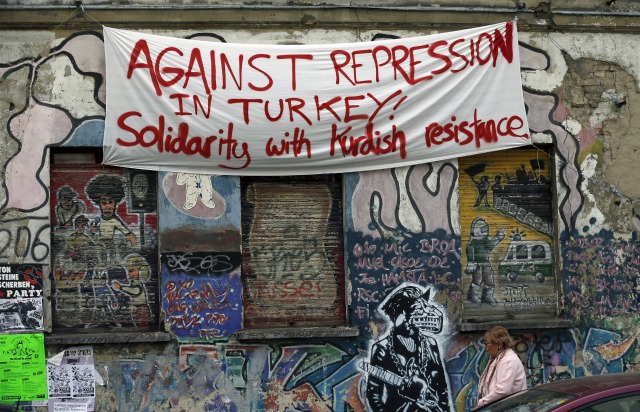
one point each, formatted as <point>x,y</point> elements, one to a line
<point>21,297</point>
<point>71,380</point>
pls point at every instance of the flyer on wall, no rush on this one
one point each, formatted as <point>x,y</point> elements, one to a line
<point>22,368</point>
<point>21,297</point>
<point>71,380</point>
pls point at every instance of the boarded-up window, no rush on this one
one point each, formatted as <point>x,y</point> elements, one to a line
<point>506,215</point>
<point>292,247</point>
<point>104,249</point>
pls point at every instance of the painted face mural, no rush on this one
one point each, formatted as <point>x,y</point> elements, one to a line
<point>68,208</point>
<point>104,275</point>
<point>405,368</point>
<point>506,216</point>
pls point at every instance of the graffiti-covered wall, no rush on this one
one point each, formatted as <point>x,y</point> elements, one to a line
<point>506,213</point>
<point>189,292</point>
<point>104,248</point>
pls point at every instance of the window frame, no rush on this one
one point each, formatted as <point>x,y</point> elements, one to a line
<point>557,322</point>
<point>302,332</point>
<point>99,335</point>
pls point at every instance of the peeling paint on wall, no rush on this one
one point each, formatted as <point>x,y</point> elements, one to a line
<point>402,229</point>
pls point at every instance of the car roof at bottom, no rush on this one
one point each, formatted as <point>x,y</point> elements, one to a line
<point>587,385</point>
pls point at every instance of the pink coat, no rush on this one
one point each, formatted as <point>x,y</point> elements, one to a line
<point>507,378</point>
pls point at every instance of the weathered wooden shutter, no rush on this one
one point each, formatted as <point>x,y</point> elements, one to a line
<point>292,247</point>
<point>509,189</point>
<point>93,285</point>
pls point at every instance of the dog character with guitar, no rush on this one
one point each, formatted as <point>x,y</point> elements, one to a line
<point>405,371</point>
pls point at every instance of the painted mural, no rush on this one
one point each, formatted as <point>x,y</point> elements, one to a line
<point>200,296</point>
<point>413,271</point>
<point>105,272</point>
<point>201,288</point>
<point>506,214</point>
<point>405,367</point>
<point>601,276</point>
<point>404,263</point>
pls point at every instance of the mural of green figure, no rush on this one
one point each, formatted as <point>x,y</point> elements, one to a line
<point>479,249</point>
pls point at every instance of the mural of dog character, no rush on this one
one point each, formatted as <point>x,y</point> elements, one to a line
<point>405,369</point>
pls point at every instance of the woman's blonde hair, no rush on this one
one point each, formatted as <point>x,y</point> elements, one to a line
<point>500,336</point>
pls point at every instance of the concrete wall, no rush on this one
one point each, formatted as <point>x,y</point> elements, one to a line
<point>580,88</point>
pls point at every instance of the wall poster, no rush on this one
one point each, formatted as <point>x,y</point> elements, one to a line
<point>22,368</point>
<point>71,381</point>
<point>21,297</point>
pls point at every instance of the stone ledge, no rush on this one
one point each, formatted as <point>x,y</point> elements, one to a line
<point>297,333</point>
<point>98,338</point>
<point>528,324</point>
<point>211,18</point>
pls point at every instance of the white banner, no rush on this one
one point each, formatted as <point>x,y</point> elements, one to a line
<point>248,109</point>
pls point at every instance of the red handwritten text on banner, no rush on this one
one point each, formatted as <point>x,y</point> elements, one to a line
<point>195,106</point>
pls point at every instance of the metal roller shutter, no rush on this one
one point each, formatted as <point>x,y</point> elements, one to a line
<point>104,255</point>
<point>292,246</point>
<point>507,192</point>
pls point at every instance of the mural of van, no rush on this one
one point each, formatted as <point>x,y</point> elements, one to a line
<point>527,258</point>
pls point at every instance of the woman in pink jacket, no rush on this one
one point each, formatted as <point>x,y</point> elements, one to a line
<point>504,373</point>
